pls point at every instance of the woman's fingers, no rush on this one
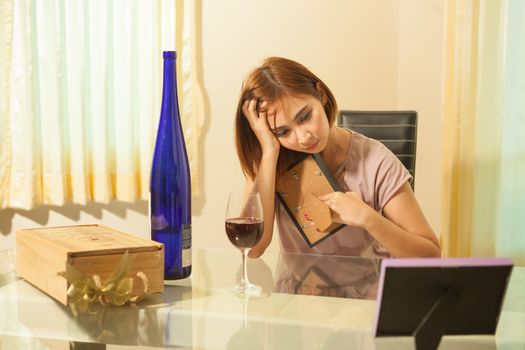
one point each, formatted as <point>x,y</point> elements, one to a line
<point>247,108</point>
<point>347,208</point>
<point>256,113</point>
<point>255,110</point>
<point>336,217</point>
<point>254,106</point>
<point>330,198</point>
<point>262,105</point>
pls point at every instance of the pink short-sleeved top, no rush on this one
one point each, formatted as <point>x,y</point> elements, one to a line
<point>375,174</point>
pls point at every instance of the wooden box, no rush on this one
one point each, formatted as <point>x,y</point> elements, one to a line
<point>42,253</point>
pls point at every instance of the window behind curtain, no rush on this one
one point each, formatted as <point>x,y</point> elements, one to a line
<point>81,91</point>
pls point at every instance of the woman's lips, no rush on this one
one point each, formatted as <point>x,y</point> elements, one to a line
<point>312,147</point>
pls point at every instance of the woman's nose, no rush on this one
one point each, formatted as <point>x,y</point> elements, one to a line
<point>303,137</point>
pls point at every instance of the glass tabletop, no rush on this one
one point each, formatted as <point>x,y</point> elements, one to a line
<point>308,302</point>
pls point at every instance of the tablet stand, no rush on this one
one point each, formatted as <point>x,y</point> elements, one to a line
<point>429,331</point>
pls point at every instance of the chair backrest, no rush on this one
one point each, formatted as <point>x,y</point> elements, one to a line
<point>397,130</point>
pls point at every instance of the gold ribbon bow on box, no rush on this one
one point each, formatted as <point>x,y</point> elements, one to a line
<point>83,291</point>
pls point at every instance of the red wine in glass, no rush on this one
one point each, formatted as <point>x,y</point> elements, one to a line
<point>244,232</point>
<point>244,226</point>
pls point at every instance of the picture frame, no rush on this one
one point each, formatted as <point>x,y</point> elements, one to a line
<point>428,298</point>
<point>299,189</point>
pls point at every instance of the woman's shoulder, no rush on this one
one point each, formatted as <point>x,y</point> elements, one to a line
<point>365,141</point>
<point>365,148</point>
<point>374,170</point>
<point>371,160</point>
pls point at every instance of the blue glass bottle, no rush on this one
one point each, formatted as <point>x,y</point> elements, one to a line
<point>170,186</point>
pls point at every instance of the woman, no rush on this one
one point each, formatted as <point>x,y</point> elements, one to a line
<point>285,111</point>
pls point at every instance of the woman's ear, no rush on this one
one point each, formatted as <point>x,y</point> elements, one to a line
<point>324,98</point>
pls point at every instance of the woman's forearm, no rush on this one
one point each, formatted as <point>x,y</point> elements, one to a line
<point>399,242</point>
<point>264,183</point>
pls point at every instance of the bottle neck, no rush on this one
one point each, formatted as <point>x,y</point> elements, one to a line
<point>169,85</point>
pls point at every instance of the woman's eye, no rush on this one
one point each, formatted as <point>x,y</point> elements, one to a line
<point>281,133</point>
<point>306,116</point>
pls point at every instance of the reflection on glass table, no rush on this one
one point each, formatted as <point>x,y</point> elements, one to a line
<point>328,275</point>
<point>295,311</point>
<point>245,337</point>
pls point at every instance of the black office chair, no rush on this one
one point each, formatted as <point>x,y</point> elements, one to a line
<point>397,130</point>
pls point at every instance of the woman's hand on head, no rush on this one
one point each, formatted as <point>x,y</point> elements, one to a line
<point>259,123</point>
<point>348,208</point>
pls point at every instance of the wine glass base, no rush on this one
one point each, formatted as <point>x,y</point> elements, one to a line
<point>248,289</point>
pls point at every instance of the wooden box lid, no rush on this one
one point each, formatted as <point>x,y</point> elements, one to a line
<point>90,240</point>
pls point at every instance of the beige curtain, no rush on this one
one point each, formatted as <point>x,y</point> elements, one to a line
<point>81,93</point>
<point>477,110</point>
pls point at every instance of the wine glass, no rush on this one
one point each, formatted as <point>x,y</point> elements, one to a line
<point>244,227</point>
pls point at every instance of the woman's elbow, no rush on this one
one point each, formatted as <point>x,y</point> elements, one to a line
<point>433,251</point>
<point>258,249</point>
<point>256,252</point>
<point>436,246</point>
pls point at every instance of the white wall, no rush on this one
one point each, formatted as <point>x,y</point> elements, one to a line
<point>378,54</point>
<point>420,87</point>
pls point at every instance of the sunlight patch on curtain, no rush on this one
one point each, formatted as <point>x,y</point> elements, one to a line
<point>458,131</point>
<point>511,238</point>
<point>82,98</point>
<point>484,157</point>
<point>6,33</point>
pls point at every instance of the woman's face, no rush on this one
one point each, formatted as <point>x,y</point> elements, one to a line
<point>300,123</point>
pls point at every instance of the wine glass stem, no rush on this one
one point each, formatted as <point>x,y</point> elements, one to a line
<point>245,267</point>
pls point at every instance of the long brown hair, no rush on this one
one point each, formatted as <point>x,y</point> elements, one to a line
<point>276,78</point>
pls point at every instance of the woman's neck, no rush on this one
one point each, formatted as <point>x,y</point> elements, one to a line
<point>335,152</point>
